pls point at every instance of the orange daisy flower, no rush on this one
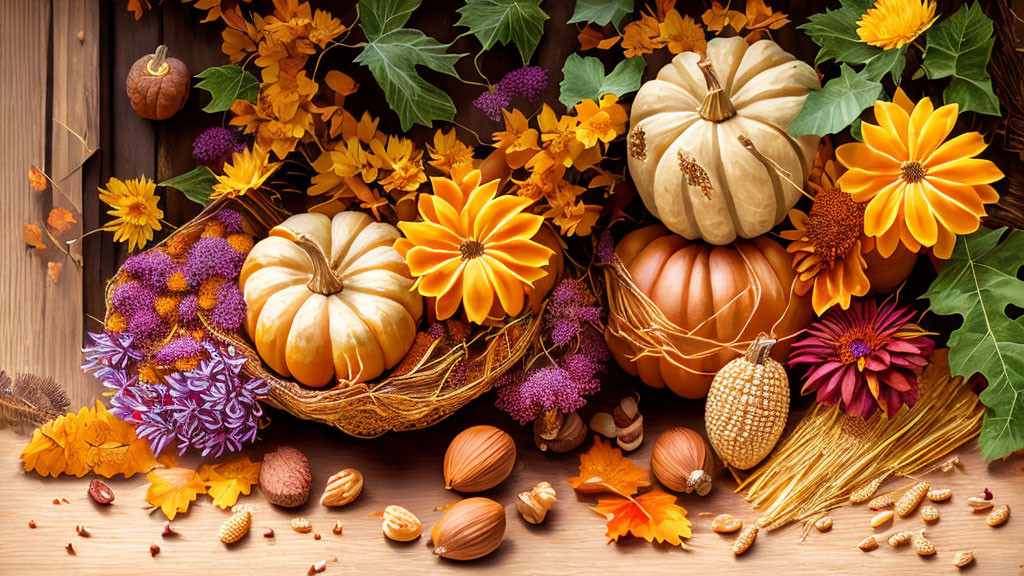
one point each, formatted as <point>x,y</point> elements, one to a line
<point>920,189</point>
<point>472,247</point>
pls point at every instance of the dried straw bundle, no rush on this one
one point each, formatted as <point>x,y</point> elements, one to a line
<point>1007,68</point>
<point>829,454</point>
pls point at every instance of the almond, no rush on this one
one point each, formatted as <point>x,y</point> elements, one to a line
<point>471,529</point>
<point>285,477</point>
<point>479,458</point>
<point>342,488</point>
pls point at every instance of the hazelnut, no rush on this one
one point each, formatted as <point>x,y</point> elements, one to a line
<point>479,458</point>
<point>470,529</point>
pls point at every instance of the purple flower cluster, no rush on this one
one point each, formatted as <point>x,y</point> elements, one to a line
<point>137,304</point>
<point>213,408</point>
<point>212,256</point>
<point>108,353</point>
<point>152,268</point>
<point>605,248</point>
<point>578,354</point>
<point>229,312</point>
<point>177,349</point>
<point>528,82</point>
<point>214,146</point>
<point>231,220</point>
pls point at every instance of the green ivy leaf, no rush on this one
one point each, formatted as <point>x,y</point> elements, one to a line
<point>196,184</point>
<point>837,105</point>
<point>959,47</point>
<point>226,84</point>
<point>601,12</point>
<point>979,282</point>
<point>518,21</point>
<point>583,78</point>
<point>392,54</point>
<point>835,33</point>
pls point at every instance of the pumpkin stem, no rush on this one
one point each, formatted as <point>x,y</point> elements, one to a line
<point>760,349</point>
<point>157,65</point>
<point>324,280</point>
<point>716,107</point>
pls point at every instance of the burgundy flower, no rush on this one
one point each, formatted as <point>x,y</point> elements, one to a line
<point>864,358</point>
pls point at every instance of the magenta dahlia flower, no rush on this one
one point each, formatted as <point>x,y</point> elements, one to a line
<point>864,358</point>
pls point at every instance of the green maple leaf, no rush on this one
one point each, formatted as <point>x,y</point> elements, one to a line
<point>835,33</point>
<point>392,53</point>
<point>979,282</point>
<point>196,184</point>
<point>837,105</point>
<point>584,77</point>
<point>518,21</point>
<point>601,12</point>
<point>959,48</point>
<point>227,84</point>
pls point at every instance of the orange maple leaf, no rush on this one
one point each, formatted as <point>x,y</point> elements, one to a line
<point>33,236</point>
<point>36,178</point>
<point>718,17</point>
<point>653,516</point>
<point>53,270</point>
<point>61,219</point>
<point>603,468</point>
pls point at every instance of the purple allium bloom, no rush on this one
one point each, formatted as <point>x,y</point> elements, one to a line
<point>606,248</point>
<point>177,349</point>
<point>492,103</point>
<point>231,220</point>
<point>109,351</point>
<point>215,146</point>
<point>145,324</point>
<point>229,312</point>
<point>132,297</point>
<point>188,311</point>
<point>529,82</point>
<point>152,268</point>
<point>568,311</point>
<point>212,256</point>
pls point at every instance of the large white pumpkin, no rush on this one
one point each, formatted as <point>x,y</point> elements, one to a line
<point>686,145</point>
<point>330,299</point>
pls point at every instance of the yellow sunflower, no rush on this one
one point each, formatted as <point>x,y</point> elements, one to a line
<point>895,23</point>
<point>920,189</point>
<point>472,247</point>
<point>135,211</point>
<point>247,170</point>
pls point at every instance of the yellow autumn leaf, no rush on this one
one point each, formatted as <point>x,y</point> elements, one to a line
<point>173,489</point>
<point>226,481</point>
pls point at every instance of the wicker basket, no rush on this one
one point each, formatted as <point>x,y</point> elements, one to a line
<point>447,374</point>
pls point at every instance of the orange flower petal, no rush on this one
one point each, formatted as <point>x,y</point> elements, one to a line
<point>987,193</point>
<point>967,171</point>
<point>508,288</point>
<point>448,302</point>
<point>918,118</point>
<point>966,145</point>
<point>894,120</point>
<point>954,215</point>
<point>441,281</point>
<point>864,186</point>
<point>448,218</point>
<point>822,298</point>
<point>477,293</point>
<point>944,245</point>
<point>934,131</point>
<point>920,220</point>
<point>862,157</point>
<point>887,242</point>
<point>962,194</point>
<point>476,203</point>
<point>430,235</point>
<point>521,251</point>
<point>883,209</point>
<point>497,215</point>
<point>423,260</point>
<point>448,190</point>
<point>906,236</point>
<point>882,141</point>
<point>903,101</point>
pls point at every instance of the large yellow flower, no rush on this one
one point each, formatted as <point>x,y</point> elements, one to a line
<point>894,23</point>
<point>472,246</point>
<point>920,189</point>
<point>247,170</point>
<point>135,211</point>
<point>600,122</point>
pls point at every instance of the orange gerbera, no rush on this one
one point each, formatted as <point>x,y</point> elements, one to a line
<point>473,246</point>
<point>920,189</point>
<point>828,245</point>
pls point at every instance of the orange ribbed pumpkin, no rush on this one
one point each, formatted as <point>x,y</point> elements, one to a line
<point>709,291</point>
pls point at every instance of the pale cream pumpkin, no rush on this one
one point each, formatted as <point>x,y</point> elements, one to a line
<point>704,136</point>
<point>330,299</point>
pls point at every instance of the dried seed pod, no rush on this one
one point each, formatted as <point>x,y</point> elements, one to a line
<point>31,523</point>
<point>940,495</point>
<point>824,524</point>
<point>963,558</point>
<point>168,530</point>
<point>923,545</point>
<point>900,538</point>
<point>236,526</point>
<point>726,524</point>
<point>534,504</point>
<point>154,549</point>
<point>317,567</point>
<point>998,516</point>
<point>268,533</point>
<point>342,488</point>
<point>82,531</point>
<point>911,499</point>
<point>400,525</point>
<point>745,540</point>
<point>864,493</point>
<point>881,518</point>
<point>869,543</point>
<point>568,433</point>
<point>70,549</point>
<point>100,492</point>
<point>317,536</point>
<point>978,503</point>
<point>882,502</point>
<point>471,529</point>
<point>479,458</point>
<point>301,525</point>
<point>929,513</point>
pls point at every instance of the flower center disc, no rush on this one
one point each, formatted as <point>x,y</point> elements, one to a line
<point>836,222</point>
<point>912,171</point>
<point>471,249</point>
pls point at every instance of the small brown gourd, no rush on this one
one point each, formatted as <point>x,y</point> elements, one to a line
<point>747,406</point>
<point>682,462</point>
<point>158,86</point>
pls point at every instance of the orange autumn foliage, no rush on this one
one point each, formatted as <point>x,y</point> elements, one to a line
<point>60,219</point>
<point>173,489</point>
<point>227,480</point>
<point>37,179</point>
<point>33,236</point>
<point>653,516</point>
<point>53,271</point>
<point>603,468</point>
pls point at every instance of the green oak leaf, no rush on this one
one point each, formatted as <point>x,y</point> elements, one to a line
<point>196,184</point>
<point>601,12</point>
<point>583,78</point>
<point>226,84</point>
<point>979,282</point>
<point>392,54</point>
<point>835,33</point>
<point>959,48</point>
<point>837,105</point>
<point>518,21</point>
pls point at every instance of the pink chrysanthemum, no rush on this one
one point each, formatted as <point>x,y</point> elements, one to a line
<point>864,358</point>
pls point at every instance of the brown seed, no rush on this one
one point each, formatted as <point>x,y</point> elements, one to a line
<point>998,516</point>
<point>923,546</point>
<point>301,525</point>
<point>268,533</point>
<point>317,567</point>
<point>900,538</point>
<point>82,531</point>
<point>911,499</point>
<point>865,492</point>
<point>940,495</point>
<point>881,518</point>
<point>824,524</point>
<point>745,540</point>
<point>65,500</point>
<point>100,492</point>
<point>950,464</point>
<point>317,536</point>
<point>154,549</point>
<point>168,530</point>
<point>337,527</point>
<point>56,501</point>
<point>70,549</point>
<point>31,523</point>
<point>961,559</point>
<point>867,544</point>
<point>726,524</point>
<point>883,502</point>
<point>929,513</point>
